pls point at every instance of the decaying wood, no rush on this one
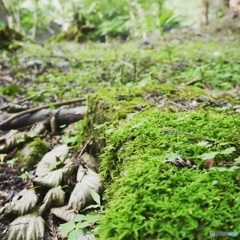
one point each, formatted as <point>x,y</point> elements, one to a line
<point>62,116</point>
<point>7,119</point>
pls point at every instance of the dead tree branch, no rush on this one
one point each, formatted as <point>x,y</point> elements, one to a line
<point>6,123</point>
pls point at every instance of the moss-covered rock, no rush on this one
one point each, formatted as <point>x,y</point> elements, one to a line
<point>72,34</point>
<point>148,198</point>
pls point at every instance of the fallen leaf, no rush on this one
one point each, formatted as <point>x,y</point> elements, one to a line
<point>27,227</point>
<point>54,196</point>
<point>64,213</point>
<point>51,160</point>
<point>22,203</point>
<point>81,195</point>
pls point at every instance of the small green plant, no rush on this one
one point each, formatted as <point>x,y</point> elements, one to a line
<point>84,224</point>
<point>12,161</point>
<point>24,174</point>
<point>74,137</point>
<point>11,90</point>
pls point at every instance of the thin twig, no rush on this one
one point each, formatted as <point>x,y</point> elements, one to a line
<point>22,100</point>
<point>83,148</point>
<point>30,97</point>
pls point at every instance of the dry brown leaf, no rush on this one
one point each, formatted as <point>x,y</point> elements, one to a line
<point>90,161</point>
<point>180,162</point>
<point>210,163</point>
<point>64,213</point>
<point>81,195</point>
<point>50,161</point>
<point>37,129</point>
<point>54,196</point>
<point>69,166</point>
<point>9,140</point>
<point>22,203</point>
<point>51,179</point>
<point>27,227</point>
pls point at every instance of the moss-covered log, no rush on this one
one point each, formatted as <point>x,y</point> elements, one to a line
<point>148,198</point>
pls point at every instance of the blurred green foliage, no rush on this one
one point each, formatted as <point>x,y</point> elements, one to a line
<point>96,19</point>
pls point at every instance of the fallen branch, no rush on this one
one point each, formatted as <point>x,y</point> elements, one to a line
<point>10,140</point>
<point>5,124</point>
<point>62,116</point>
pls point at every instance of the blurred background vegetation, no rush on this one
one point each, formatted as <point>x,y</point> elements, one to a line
<point>92,20</point>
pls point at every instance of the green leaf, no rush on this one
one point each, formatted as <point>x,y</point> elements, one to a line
<point>233,168</point>
<point>75,234</point>
<point>79,218</point>
<point>93,218</point>
<point>172,155</point>
<point>67,228</point>
<point>69,140</point>
<point>210,155</point>
<point>83,224</point>
<point>237,159</point>
<point>12,161</point>
<point>214,182</point>
<point>219,169</point>
<point>95,230</point>
<point>20,140</point>
<point>2,157</point>
<point>96,197</point>
<point>228,150</point>
<point>203,144</point>
<point>223,169</point>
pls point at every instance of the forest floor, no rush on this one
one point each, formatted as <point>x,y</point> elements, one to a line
<point>194,75</point>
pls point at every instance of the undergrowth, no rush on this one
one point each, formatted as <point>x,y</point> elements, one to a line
<point>71,70</point>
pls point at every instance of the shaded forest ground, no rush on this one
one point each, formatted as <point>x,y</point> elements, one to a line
<point>199,69</point>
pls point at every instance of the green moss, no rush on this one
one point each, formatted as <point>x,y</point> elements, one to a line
<point>33,152</point>
<point>166,132</point>
<point>108,107</point>
<point>40,148</point>
<point>72,34</point>
<point>153,200</point>
<point>150,199</point>
<point>146,197</point>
